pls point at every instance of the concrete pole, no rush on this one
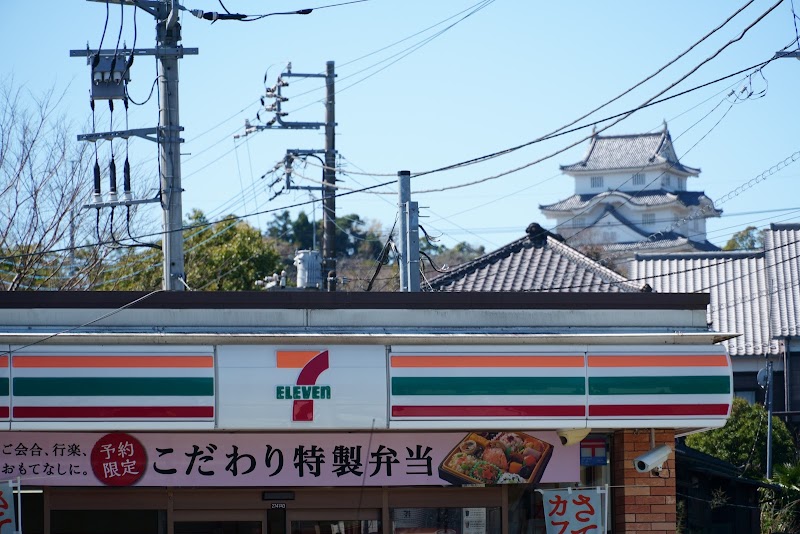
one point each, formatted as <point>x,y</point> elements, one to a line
<point>168,34</point>
<point>404,183</point>
<point>329,179</point>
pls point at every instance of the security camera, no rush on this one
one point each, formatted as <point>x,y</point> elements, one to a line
<point>652,459</point>
<point>571,436</point>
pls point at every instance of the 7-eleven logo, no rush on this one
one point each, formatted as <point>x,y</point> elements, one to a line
<point>305,390</point>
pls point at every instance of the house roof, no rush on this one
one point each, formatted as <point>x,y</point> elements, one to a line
<point>755,292</point>
<point>700,462</point>
<point>637,151</point>
<point>646,198</point>
<point>781,253</point>
<point>735,281</point>
<point>540,261</point>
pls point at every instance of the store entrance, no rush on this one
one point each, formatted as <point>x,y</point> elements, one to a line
<point>218,527</point>
<point>335,521</point>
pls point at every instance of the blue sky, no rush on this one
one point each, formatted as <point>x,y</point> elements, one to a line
<point>507,74</point>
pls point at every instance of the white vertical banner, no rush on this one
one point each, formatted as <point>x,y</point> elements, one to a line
<point>8,524</point>
<point>575,510</point>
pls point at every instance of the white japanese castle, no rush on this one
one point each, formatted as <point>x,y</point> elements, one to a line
<point>631,195</point>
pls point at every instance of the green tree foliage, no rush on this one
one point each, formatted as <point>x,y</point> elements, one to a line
<point>743,440</point>
<point>750,238</point>
<point>354,237</point>
<point>229,255</point>
<point>780,511</point>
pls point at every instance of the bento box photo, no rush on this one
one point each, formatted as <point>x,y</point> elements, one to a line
<point>496,458</point>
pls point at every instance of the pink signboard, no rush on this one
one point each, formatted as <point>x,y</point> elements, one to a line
<point>286,460</point>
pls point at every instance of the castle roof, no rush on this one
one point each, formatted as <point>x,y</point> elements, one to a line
<point>646,198</point>
<point>636,152</point>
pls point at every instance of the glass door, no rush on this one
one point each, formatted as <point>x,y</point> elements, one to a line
<point>334,522</point>
<point>217,527</point>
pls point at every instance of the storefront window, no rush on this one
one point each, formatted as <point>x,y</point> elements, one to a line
<point>336,526</point>
<point>446,520</point>
<point>108,522</point>
<point>217,527</point>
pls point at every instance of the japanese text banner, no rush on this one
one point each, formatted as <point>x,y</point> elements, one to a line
<point>288,460</point>
<point>573,511</point>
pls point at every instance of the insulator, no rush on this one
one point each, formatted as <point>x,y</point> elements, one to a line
<point>126,176</point>
<point>111,105</point>
<point>96,177</point>
<point>91,103</point>
<point>112,176</point>
<point>125,103</point>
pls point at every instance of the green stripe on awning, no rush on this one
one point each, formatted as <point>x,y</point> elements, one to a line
<point>488,386</point>
<point>658,385</point>
<point>4,387</point>
<point>114,387</point>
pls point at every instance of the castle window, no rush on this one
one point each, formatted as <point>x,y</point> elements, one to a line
<point>597,182</point>
<point>666,181</point>
<point>648,219</point>
<point>578,222</point>
<point>609,237</point>
<point>638,178</point>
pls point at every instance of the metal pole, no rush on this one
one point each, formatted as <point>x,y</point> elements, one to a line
<point>769,420</point>
<point>404,182</point>
<point>329,178</point>
<point>168,33</point>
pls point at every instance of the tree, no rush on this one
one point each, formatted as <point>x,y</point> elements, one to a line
<point>47,240</point>
<point>743,440</point>
<point>41,190</point>
<point>750,238</point>
<point>229,255</point>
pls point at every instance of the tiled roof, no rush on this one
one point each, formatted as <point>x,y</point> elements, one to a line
<point>540,261</point>
<point>638,151</point>
<point>661,241</point>
<point>782,250</point>
<point>749,289</point>
<point>647,198</point>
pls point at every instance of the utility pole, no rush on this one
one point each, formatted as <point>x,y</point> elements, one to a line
<point>409,234</point>
<point>110,73</point>
<point>329,178</point>
<point>404,195</point>
<point>329,165</point>
<point>168,34</point>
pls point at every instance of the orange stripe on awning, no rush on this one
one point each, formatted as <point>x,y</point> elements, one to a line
<point>30,361</point>
<point>667,360</point>
<point>295,359</point>
<point>487,361</point>
<point>3,361</point>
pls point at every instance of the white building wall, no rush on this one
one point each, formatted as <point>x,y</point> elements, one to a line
<point>625,181</point>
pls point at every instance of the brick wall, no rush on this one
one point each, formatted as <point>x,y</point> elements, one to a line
<point>644,502</point>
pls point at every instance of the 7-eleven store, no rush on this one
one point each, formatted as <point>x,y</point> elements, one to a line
<point>326,413</point>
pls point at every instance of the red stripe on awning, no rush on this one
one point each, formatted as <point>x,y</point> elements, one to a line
<point>488,411</point>
<point>644,410</point>
<point>113,412</point>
